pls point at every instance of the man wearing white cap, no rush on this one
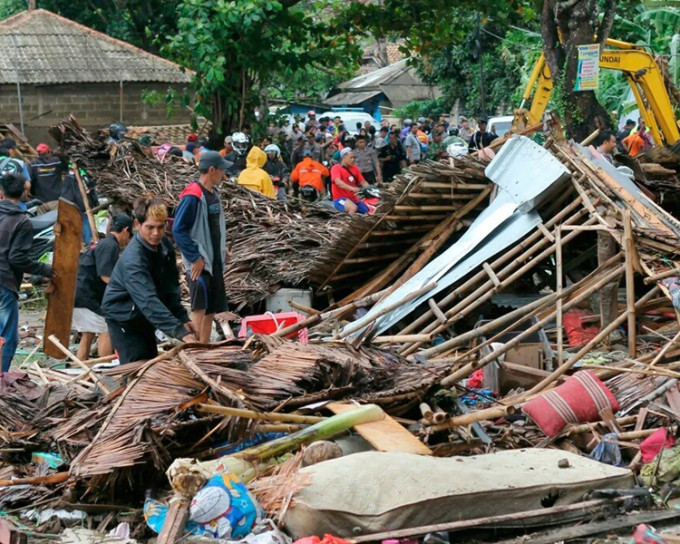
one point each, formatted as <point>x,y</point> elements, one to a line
<point>346,183</point>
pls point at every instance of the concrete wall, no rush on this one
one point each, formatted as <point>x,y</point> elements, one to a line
<point>95,105</point>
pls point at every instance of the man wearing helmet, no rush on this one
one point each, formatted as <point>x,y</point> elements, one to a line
<point>310,172</point>
<point>241,145</point>
<point>277,170</point>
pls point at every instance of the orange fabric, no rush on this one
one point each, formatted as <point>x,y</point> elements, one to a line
<point>310,172</point>
<point>635,143</point>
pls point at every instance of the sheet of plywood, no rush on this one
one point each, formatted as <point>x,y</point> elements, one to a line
<point>67,243</point>
<point>384,435</point>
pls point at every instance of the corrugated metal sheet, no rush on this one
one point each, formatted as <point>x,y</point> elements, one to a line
<point>40,47</point>
<point>525,174</point>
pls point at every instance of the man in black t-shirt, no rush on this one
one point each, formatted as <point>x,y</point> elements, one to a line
<point>392,157</point>
<point>47,172</point>
<point>94,271</point>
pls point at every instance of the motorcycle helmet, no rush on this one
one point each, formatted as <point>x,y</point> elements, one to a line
<point>421,120</point>
<point>117,130</point>
<point>273,148</point>
<point>408,122</point>
<point>240,142</point>
<point>453,131</point>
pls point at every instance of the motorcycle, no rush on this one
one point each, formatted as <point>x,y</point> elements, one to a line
<point>370,195</point>
<point>309,193</point>
<point>43,234</point>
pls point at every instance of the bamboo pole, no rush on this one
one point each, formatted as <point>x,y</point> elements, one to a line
<point>473,417</point>
<point>604,333</point>
<point>630,282</point>
<point>485,291</point>
<point>466,337</point>
<point>364,322</point>
<point>252,414</point>
<point>524,313</point>
<point>33,352</point>
<point>518,253</point>
<point>52,338</point>
<point>662,275</point>
<point>426,411</point>
<point>466,370</point>
<point>585,508</point>
<point>559,272</point>
<point>57,478</point>
<point>330,314</point>
<point>86,202</point>
<point>660,355</point>
<point>401,338</point>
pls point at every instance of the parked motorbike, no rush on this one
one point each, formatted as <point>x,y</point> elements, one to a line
<point>43,233</point>
<point>309,193</point>
<point>371,197</point>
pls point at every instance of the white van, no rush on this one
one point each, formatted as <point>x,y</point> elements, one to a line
<point>350,118</point>
<point>500,125</point>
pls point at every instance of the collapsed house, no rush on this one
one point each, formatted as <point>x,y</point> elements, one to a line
<point>480,309</point>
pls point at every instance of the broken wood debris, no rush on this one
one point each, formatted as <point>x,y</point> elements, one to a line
<point>453,362</point>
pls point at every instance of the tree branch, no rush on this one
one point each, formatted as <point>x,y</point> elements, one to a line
<point>607,22</point>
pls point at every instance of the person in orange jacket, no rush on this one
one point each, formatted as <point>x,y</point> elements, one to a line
<point>309,172</point>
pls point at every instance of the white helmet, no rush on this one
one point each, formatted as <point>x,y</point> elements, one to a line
<point>273,148</point>
<point>240,142</point>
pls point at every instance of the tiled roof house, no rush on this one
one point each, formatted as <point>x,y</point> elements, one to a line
<point>53,66</point>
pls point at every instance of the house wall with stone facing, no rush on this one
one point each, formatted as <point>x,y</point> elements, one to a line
<point>94,105</point>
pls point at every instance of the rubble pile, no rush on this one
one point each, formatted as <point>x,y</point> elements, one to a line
<point>501,345</point>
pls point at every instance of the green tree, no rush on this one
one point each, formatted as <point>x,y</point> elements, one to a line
<point>134,21</point>
<point>239,48</point>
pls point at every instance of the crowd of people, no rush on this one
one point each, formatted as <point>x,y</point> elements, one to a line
<point>305,156</point>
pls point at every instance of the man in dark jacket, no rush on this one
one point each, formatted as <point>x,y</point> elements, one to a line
<point>199,231</point>
<point>481,138</point>
<point>16,238</point>
<point>46,174</point>
<point>94,272</point>
<point>143,293</point>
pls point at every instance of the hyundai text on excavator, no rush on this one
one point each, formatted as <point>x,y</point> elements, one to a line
<point>644,76</point>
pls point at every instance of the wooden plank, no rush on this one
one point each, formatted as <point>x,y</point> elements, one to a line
<point>67,242</point>
<point>384,435</point>
<point>598,527</point>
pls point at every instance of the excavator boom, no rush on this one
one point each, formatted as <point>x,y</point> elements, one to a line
<point>643,75</point>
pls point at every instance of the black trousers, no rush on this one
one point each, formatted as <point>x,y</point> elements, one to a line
<point>133,341</point>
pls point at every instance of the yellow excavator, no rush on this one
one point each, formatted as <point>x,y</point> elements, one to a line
<point>645,79</point>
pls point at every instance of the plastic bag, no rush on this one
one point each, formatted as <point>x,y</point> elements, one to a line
<point>223,508</point>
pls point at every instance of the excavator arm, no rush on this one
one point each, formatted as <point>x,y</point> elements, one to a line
<point>643,75</point>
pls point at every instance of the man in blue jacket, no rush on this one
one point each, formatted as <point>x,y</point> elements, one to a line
<point>200,233</point>
<point>143,293</point>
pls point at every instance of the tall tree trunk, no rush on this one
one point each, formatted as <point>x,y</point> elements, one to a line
<point>577,22</point>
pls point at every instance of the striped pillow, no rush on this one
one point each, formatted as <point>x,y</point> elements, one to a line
<point>578,400</point>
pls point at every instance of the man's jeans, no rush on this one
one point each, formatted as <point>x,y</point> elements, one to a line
<point>9,325</point>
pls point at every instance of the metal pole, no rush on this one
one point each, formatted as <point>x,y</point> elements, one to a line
<point>120,114</point>
<point>481,65</point>
<point>16,72</point>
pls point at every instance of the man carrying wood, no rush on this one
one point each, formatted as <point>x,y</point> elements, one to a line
<point>200,233</point>
<point>143,294</point>
<point>16,238</point>
<point>94,272</point>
